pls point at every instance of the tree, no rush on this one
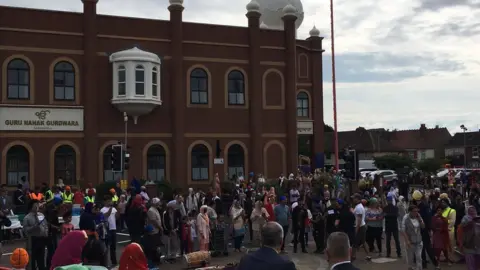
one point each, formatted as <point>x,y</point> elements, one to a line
<point>430,165</point>
<point>327,128</point>
<point>393,162</point>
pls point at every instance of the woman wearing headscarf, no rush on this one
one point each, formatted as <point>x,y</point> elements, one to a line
<point>69,250</point>
<point>136,216</point>
<point>203,224</point>
<point>237,214</point>
<point>469,238</point>
<point>259,217</point>
<point>133,258</point>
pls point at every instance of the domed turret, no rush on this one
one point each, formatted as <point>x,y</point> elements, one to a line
<point>314,32</point>
<point>176,2</point>
<point>273,10</point>
<point>289,10</point>
<point>253,6</point>
<point>263,26</point>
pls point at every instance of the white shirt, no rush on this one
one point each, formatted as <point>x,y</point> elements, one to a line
<point>360,210</point>
<point>335,265</point>
<point>112,223</point>
<point>394,197</point>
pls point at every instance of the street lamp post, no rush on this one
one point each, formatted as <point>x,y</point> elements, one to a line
<point>125,120</point>
<point>464,128</point>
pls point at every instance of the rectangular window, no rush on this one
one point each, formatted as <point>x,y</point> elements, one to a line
<point>154,84</point>
<point>475,151</point>
<point>139,82</point>
<point>121,82</point>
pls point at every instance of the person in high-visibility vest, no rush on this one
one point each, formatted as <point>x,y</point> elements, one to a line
<point>67,196</point>
<point>451,215</point>
<point>90,198</point>
<point>48,194</point>
<point>114,196</point>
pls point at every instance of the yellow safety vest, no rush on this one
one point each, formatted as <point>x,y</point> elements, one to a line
<point>446,213</point>
<point>67,198</point>
<point>49,195</point>
<point>90,199</point>
<point>115,198</point>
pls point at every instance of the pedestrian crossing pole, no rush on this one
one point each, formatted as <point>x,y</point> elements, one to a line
<point>125,153</point>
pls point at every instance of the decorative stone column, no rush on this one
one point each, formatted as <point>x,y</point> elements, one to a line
<point>289,18</point>
<point>255,90</point>
<point>316,67</point>
<point>177,93</point>
<point>89,94</point>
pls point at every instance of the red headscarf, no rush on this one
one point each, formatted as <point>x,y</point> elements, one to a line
<point>133,258</point>
<point>69,250</point>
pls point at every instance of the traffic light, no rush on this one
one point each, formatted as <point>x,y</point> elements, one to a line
<point>351,164</point>
<point>126,159</point>
<point>117,162</point>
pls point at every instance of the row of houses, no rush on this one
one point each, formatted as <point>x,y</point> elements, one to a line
<point>419,144</point>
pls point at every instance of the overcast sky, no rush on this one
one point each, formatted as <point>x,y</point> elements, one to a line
<point>399,63</point>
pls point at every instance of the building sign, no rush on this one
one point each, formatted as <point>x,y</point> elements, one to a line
<point>305,127</point>
<point>40,119</point>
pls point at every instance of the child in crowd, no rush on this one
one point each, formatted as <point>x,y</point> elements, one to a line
<point>194,244</point>
<point>67,225</point>
<point>121,206</point>
<point>186,231</point>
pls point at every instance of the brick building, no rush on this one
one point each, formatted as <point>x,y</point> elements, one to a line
<point>67,78</point>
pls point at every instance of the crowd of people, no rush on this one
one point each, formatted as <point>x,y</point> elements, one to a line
<point>305,205</point>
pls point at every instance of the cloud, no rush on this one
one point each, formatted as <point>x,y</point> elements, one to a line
<point>386,67</point>
<point>398,64</point>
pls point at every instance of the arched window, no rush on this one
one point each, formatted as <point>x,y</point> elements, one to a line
<point>236,161</point>
<point>18,165</point>
<point>108,174</point>
<point>65,164</point>
<point>198,86</point>
<point>200,163</point>
<point>156,163</point>
<point>236,88</point>
<point>154,82</point>
<point>302,105</point>
<point>18,79</point>
<point>139,80</point>
<point>122,81</point>
<point>64,81</point>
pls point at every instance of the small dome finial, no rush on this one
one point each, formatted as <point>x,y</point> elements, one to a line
<point>176,2</point>
<point>290,10</point>
<point>253,6</point>
<point>263,26</point>
<point>314,32</point>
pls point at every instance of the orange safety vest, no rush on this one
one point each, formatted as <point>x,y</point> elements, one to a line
<point>37,197</point>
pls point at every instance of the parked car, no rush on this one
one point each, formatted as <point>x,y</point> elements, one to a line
<point>364,172</point>
<point>388,175</point>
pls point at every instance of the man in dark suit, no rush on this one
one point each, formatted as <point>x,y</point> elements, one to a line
<point>339,252</point>
<point>267,256</point>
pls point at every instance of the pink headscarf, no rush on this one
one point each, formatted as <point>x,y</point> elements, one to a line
<point>69,250</point>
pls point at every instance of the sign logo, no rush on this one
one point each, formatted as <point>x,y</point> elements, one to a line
<point>42,115</point>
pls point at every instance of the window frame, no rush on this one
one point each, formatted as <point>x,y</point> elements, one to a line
<point>69,158</point>
<point>303,110</point>
<point>122,69</point>
<point>64,86</point>
<point>154,157</point>
<point>241,155</point>
<point>235,90</point>
<point>155,88</point>
<point>204,157</point>
<point>197,80</point>
<point>26,69</point>
<point>140,68</point>
<point>22,158</point>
